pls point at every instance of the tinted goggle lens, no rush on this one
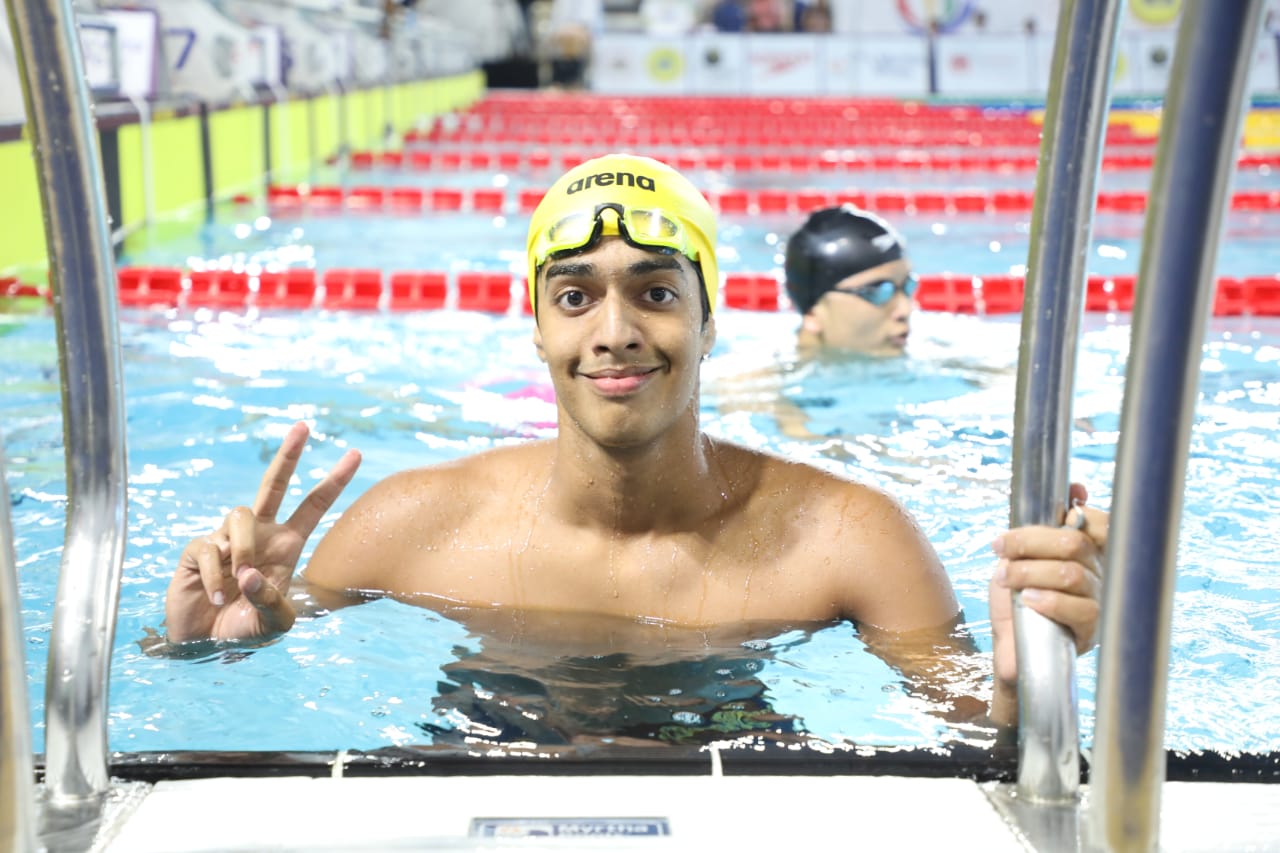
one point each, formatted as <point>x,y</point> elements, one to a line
<point>880,292</point>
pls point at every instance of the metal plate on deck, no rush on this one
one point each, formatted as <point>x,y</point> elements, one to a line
<point>569,827</point>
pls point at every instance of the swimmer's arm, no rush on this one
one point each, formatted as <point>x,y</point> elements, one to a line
<point>901,599</point>
<point>892,578</point>
<point>941,664</point>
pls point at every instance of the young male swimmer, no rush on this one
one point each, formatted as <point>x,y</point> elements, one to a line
<point>631,511</point>
<point>848,275</point>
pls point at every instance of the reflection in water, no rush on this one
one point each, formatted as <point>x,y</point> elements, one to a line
<point>567,679</point>
<point>495,697</point>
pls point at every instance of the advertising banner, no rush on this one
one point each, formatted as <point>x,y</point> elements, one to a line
<point>12,110</point>
<point>1143,62</point>
<point>628,63</point>
<point>884,66</point>
<point>783,64</point>
<point>100,53</point>
<point>209,55</point>
<point>984,65</point>
<point>266,56</point>
<point>717,64</point>
<point>138,50</point>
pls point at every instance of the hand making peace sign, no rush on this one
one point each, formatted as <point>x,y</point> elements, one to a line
<point>233,583</point>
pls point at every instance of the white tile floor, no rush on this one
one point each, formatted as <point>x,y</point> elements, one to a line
<point>706,814</point>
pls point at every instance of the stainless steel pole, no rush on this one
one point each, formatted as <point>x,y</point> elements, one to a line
<point>60,125</point>
<point>1195,159</point>
<point>1061,229</point>
<point>17,788</point>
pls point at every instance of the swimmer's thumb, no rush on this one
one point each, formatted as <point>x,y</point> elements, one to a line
<point>277,615</point>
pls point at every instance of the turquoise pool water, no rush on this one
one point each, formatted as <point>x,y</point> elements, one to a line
<point>983,244</point>
<point>209,396</point>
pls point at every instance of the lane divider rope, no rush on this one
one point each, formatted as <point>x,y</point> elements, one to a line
<point>412,200</point>
<point>373,290</point>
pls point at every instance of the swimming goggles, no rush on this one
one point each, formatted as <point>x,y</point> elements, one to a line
<point>643,228</point>
<point>880,292</point>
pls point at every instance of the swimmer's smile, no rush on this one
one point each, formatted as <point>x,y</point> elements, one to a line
<point>620,381</point>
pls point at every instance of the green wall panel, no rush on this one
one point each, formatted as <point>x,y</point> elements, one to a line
<point>290,140</point>
<point>239,157</point>
<point>176,163</point>
<point>22,245</point>
<point>359,121</point>
<point>325,112</point>
<point>236,135</point>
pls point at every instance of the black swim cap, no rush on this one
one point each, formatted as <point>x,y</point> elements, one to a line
<point>835,243</point>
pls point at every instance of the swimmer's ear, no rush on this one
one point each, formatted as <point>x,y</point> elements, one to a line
<point>708,336</point>
<point>811,324</point>
<point>537,344</point>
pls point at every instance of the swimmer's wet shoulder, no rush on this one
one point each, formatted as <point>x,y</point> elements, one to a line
<point>769,540</point>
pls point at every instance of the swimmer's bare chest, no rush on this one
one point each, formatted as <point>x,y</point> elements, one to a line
<point>684,578</point>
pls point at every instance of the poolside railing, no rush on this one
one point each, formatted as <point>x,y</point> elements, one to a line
<point>17,792</point>
<point>1195,160</point>
<point>83,280</point>
<point>1061,230</point>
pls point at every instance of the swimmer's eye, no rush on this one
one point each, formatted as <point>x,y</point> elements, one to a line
<point>571,299</point>
<point>661,295</point>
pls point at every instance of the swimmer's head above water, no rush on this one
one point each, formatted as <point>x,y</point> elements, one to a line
<point>844,270</point>
<point>647,203</point>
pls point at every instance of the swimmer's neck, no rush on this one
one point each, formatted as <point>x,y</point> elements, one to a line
<point>669,484</point>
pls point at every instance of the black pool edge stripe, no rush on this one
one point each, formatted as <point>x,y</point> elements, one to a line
<point>971,763</point>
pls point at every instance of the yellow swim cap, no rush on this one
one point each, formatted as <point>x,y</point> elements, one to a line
<point>655,203</point>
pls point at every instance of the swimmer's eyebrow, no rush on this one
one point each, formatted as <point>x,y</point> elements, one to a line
<point>655,264</point>
<point>573,269</point>
<point>585,269</point>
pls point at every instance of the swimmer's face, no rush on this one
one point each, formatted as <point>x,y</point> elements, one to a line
<point>842,320</point>
<point>622,333</point>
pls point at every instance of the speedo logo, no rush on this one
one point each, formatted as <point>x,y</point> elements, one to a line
<point>611,179</point>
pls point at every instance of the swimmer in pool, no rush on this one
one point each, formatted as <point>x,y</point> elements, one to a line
<point>848,275</point>
<point>630,511</point>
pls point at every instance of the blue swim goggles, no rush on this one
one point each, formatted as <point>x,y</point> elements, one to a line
<point>880,292</point>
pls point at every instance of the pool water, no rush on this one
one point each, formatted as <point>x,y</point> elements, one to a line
<point>208,398</point>
<point>982,244</point>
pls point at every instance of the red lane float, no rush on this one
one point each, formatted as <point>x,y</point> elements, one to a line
<point>834,157</point>
<point>11,287</point>
<point>363,289</point>
<point>410,200</point>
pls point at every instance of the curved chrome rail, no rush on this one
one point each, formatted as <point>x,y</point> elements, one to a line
<point>1061,230</point>
<point>81,274</point>
<point>17,791</point>
<point>1195,159</point>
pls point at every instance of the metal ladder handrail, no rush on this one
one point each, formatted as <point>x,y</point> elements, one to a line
<point>81,274</point>
<point>1195,161</point>
<point>1061,232</point>
<point>17,788</point>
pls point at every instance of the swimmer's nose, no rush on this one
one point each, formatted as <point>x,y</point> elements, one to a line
<point>616,329</point>
<point>901,305</point>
